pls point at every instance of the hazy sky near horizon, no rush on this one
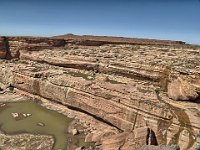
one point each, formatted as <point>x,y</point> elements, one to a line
<point>157,19</point>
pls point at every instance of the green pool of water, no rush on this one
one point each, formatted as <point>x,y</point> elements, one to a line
<point>54,123</point>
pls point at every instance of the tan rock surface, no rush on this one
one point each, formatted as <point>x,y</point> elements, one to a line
<point>125,86</point>
<point>182,90</point>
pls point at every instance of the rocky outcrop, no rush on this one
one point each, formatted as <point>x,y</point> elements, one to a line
<point>10,47</point>
<point>183,90</point>
<point>128,87</point>
<point>3,48</point>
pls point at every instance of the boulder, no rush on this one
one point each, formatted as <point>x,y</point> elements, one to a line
<point>15,115</point>
<point>74,131</point>
<point>181,89</point>
<point>184,139</point>
<point>40,124</point>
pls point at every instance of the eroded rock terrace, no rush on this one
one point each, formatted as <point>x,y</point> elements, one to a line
<point>149,92</point>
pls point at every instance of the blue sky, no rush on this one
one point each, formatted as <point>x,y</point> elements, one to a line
<point>157,19</point>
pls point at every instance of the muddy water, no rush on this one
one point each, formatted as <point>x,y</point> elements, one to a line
<point>41,121</point>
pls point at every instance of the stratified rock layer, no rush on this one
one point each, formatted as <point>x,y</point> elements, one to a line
<point>129,86</point>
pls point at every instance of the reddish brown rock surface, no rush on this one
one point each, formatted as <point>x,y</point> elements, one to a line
<point>3,50</point>
<point>129,84</point>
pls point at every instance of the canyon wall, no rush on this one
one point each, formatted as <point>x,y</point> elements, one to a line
<point>128,85</point>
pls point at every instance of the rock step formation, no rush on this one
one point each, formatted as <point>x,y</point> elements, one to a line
<point>126,86</point>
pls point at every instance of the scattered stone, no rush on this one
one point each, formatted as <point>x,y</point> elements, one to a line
<point>90,77</point>
<point>15,115</point>
<point>28,115</point>
<point>19,116</point>
<point>2,104</point>
<point>75,132</point>
<point>40,124</point>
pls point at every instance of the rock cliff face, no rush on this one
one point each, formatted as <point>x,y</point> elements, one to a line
<point>3,48</point>
<point>10,47</point>
<point>153,86</point>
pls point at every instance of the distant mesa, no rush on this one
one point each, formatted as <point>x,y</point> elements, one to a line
<point>91,39</point>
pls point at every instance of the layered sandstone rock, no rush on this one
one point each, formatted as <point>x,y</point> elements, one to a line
<point>102,40</point>
<point>128,87</point>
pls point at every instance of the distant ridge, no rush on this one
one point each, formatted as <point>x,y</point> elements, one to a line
<point>117,40</point>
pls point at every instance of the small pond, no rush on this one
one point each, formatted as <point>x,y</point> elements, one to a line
<point>37,120</point>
